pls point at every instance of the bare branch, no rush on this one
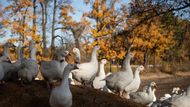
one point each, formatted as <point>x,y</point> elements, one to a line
<point>65,27</point>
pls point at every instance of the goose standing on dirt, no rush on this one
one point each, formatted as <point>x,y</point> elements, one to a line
<point>61,96</point>
<point>165,101</point>
<point>182,101</point>
<point>12,73</point>
<point>5,63</point>
<point>144,97</point>
<point>173,94</point>
<point>87,71</point>
<point>119,80</point>
<point>29,67</point>
<point>53,70</point>
<point>135,84</point>
<point>76,51</point>
<point>98,82</point>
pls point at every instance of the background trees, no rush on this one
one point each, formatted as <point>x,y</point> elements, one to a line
<point>158,30</point>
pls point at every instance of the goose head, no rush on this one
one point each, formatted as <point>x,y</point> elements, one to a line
<point>175,90</point>
<point>21,44</point>
<point>76,50</point>
<point>153,84</point>
<point>66,53</point>
<point>71,67</point>
<point>9,45</point>
<point>140,68</point>
<point>62,56</point>
<point>130,55</point>
<point>103,61</point>
<point>97,47</point>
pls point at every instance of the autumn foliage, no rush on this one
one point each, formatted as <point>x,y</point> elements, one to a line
<point>151,27</point>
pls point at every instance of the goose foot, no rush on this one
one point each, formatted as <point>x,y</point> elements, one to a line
<point>88,84</point>
<point>121,94</point>
<point>126,95</point>
<point>22,83</point>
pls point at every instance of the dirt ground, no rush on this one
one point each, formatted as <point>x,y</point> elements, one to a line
<point>37,95</point>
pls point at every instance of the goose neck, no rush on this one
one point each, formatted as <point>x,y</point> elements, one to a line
<point>20,54</point>
<point>137,72</point>
<point>154,96</point>
<point>65,81</point>
<point>78,57</point>
<point>77,54</point>
<point>126,64</point>
<point>102,72</point>
<point>33,53</point>
<point>149,90</point>
<point>6,51</point>
<point>94,56</point>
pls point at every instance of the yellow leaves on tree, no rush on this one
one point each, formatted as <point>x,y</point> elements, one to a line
<point>106,22</point>
<point>152,38</point>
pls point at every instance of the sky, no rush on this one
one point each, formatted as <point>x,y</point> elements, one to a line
<point>79,6</point>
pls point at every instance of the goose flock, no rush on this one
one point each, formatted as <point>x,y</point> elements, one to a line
<point>124,83</point>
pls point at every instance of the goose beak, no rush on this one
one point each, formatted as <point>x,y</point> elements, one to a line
<point>62,59</point>
<point>69,54</point>
<point>13,46</point>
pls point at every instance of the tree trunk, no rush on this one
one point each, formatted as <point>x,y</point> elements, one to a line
<point>34,18</point>
<point>77,42</point>
<point>77,33</point>
<point>145,63</point>
<point>44,21</point>
<point>23,24</point>
<point>53,30</point>
<point>154,60</point>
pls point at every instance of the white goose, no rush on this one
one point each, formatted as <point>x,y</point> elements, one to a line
<point>135,84</point>
<point>98,82</point>
<point>87,71</point>
<point>144,97</point>
<point>76,51</point>
<point>5,63</point>
<point>12,72</point>
<point>53,70</point>
<point>173,94</point>
<point>119,80</point>
<point>29,67</point>
<point>61,96</point>
<point>183,100</point>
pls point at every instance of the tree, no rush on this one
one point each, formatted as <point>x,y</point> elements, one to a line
<point>68,24</point>
<point>53,27</point>
<point>43,4</point>
<point>107,21</point>
<point>148,9</point>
